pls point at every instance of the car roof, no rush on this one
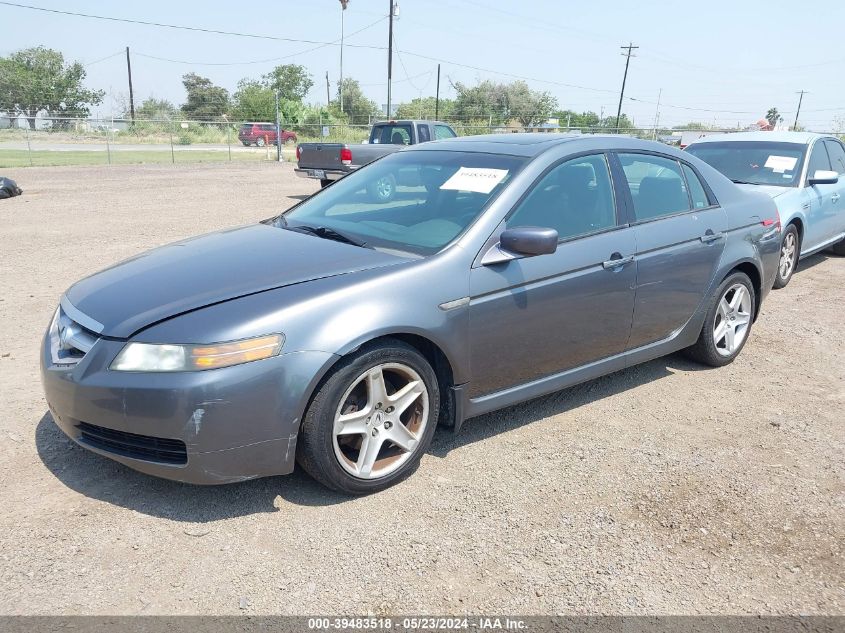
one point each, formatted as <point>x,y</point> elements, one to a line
<point>803,138</point>
<point>531,144</point>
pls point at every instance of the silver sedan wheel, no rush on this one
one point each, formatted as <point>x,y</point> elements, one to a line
<point>788,250</point>
<point>380,420</point>
<point>733,317</point>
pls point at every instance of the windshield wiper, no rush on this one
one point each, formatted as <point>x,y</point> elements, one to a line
<point>742,182</point>
<point>327,234</point>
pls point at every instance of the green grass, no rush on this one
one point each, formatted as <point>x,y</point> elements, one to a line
<point>45,158</point>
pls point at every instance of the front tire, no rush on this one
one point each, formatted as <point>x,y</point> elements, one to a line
<point>790,250</point>
<point>259,142</point>
<point>727,324</point>
<point>371,420</point>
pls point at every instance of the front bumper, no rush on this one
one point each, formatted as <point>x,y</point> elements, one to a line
<point>236,423</point>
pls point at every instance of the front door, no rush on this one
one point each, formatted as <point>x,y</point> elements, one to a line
<point>680,235</point>
<point>537,316</point>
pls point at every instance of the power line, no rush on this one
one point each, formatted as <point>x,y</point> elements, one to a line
<point>261,61</point>
<point>182,27</point>
<point>102,59</point>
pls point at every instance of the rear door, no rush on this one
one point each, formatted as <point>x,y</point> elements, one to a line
<point>538,316</point>
<point>680,235</point>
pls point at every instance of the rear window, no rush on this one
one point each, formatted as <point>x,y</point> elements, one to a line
<point>391,134</point>
<point>754,162</point>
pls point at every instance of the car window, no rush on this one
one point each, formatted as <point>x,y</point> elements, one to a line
<point>443,131</point>
<point>414,202</point>
<point>656,184</point>
<point>422,133</point>
<point>818,160</point>
<point>574,198</point>
<point>836,151</point>
<point>268,127</point>
<point>696,189</point>
<point>754,162</point>
<point>391,134</point>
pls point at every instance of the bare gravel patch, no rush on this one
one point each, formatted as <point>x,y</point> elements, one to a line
<point>662,489</point>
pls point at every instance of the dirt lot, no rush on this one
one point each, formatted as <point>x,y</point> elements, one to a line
<point>661,489</point>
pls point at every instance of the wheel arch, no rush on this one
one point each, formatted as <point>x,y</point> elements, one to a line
<point>750,269</point>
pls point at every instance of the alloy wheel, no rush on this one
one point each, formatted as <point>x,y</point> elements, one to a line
<point>380,420</point>
<point>733,318</point>
<point>788,251</point>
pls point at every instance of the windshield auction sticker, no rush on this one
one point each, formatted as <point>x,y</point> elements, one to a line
<point>475,179</point>
<point>780,164</point>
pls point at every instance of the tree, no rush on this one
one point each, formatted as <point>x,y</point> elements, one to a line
<point>529,107</point>
<point>424,108</point>
<point>205,100</point>
<point>773,117</point>
<point>37,80</point>
<point>503,102</point>
<point>291,81</point>
<point>571,119</point>
<point>153,109</point>
<point>355,104</point>
<point>253,101</point>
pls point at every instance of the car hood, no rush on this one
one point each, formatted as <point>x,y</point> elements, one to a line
<point>210,269</point>
<point>772,191</point>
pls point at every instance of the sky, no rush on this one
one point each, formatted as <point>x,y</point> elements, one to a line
<point>720,62</point>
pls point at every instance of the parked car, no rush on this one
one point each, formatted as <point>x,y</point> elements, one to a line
<point>804,173</point>
<point>340,333</point>
<point>261,134</point>
<point>328,162</point>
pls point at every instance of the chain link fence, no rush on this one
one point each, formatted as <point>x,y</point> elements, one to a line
<point>113,141</point>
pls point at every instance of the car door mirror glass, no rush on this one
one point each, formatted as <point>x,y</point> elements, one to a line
<point>823,177</point>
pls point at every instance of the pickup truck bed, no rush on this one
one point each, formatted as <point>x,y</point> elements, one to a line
<point>327,162</point>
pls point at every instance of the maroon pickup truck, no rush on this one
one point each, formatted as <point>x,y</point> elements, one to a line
<point>263,134</point>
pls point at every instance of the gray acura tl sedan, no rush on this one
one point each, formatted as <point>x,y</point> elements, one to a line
<point>339,334</point>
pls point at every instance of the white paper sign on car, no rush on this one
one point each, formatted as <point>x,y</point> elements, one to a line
<point>475,179</point>
<point>780,164</point>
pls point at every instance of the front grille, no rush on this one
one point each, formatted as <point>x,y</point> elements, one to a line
<point>151,449</point>
<point>69,341</point>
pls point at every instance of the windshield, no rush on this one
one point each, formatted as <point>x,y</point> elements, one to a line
<point>415,201</point>
<point>754,162</point>
<point>391,134</point>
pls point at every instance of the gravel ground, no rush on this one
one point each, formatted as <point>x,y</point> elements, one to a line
<point>662,489</point>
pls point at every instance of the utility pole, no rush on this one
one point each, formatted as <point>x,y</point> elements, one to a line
<point>343,4</point>
<point>328,92</point>
<point>131,95</point>
<point>278,128</point>
<point>389,57</point>
<point>628,56</point>
<point>798,111</point>
<point>437,98</point>
<point>657,114</point>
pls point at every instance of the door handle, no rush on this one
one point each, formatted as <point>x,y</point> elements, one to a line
<point>710,236</point>
<point>617,261</point>
<point>835,197</point>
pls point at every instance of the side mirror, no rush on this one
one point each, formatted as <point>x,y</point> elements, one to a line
<point>823,177</point>
<point>522,241</point>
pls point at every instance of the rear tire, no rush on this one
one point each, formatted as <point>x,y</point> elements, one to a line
<point>246,143</point>
<point>727,324</point>
<point>790,251</point>
<point>259,142</point>
<point>371,420</point>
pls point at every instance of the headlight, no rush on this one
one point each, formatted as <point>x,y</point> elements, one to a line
<point>152,357</point>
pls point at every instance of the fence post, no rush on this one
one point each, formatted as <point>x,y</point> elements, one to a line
<point>108,146</point>
<point>172,153</point>
<point>28,145</point>
<point>229,139</point>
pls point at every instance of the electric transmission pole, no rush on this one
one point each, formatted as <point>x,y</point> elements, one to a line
<point>131,95</point>
<point>628,57</point>
<point>798,111</point>
<point>389,57</point>
<point>343,4</point>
